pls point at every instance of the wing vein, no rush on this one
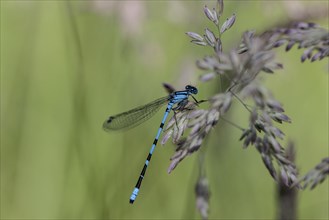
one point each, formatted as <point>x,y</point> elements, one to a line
<point>134,117</point>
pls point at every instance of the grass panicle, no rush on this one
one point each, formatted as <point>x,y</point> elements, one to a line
<point>316,176</point>
<point>243,67</point>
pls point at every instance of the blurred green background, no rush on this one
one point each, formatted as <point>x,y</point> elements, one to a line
<point>66,66</point>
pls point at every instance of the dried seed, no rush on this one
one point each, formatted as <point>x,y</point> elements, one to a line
<point>227,24</point>
<point>209,13</point>
<point>194,36</point>
<point>207,77</point>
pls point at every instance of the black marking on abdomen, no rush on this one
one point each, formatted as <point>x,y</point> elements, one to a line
<point>149,157</point>
<point>155,141</point>
<point>141,177</point>
<point>161,125</point>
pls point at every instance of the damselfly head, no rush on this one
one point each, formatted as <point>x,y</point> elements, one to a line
<point>191,89</point>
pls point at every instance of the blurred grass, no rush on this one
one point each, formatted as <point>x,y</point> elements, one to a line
<point>66,66</point>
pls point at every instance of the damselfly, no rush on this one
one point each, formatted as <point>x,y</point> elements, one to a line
<point>140,114</point>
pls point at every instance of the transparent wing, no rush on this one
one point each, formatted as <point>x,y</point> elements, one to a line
<point>135,116</point>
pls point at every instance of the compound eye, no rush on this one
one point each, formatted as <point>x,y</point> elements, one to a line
<point>188,87</point>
